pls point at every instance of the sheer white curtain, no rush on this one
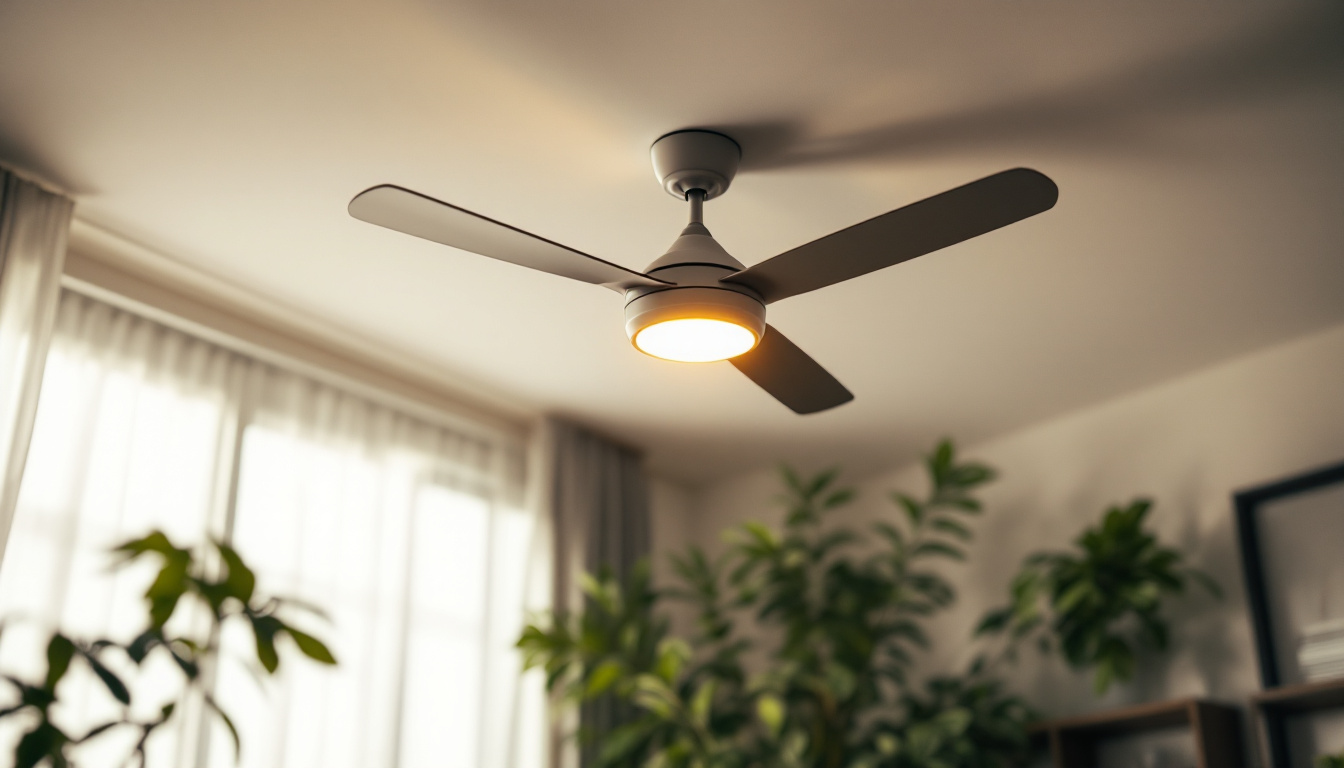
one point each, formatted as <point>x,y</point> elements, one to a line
<point>33,227</point>
<point>413,536</point>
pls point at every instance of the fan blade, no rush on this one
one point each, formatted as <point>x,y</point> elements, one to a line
<point>903,234</point>
<point>416,214</point>
<point>779,367</point>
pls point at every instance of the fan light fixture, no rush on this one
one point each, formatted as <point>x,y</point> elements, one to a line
<point>695,340</point>
<point>696,303</point>
<point>694,324</point>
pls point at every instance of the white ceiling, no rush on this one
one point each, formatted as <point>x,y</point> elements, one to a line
<point>1198,147</point>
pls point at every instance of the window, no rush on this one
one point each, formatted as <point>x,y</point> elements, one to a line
<point>410,534</point>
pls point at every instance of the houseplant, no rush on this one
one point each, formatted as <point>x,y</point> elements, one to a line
<point>824,680</point>
<point>214,579</point>
<point>1100,603</point>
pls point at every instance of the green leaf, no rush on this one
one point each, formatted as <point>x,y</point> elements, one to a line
<point>672,654</point>
<point>140,647</point>
<point>603,677</point>
<point>60,650</point>
<point>215,594</point>
<point>792,479</point>
<point>241,581</point>
<point>762,535</point>
<point>838,498</point>
<point>302,605</point>
<point>621,742</point>
<point>1073,596</point>
<point>923,741</point>
<point>113,683</point>
<point>937,548</point>
<point>654,695</point>
<point>841,681</point>
<point>1102,676</point>
<point>819,483</point>
<point>952,527</point>
<point>184,653</point>
<point>589,584</point>
<point>892,534</point>
<point>96,731</point>
<point>770,710</point>
<point>994,621</point>
<point>554,675</point>
<point>1115,663</point>
<point>167,590</point>
<point>913,509</point>
<point>265,629</point>
<point>954,722</point>
<point>703,701</point>
<point>310,646</point>
<point>596,589</point>
<point>940,461</point>
<point>155,541</point>
<point>46,740</point>
<point>888,744</point>
<point>961,503</point>
<point>970,475</point>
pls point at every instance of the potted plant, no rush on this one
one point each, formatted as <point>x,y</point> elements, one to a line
<point>825,680</point>
<point>1100,603</point>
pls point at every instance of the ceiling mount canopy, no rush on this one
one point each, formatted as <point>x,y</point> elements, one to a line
<point>688,160</point>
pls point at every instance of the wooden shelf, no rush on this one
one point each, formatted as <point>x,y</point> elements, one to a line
<point>1215,728</point>
<point>1304,697</point>
<point>1274,706</point>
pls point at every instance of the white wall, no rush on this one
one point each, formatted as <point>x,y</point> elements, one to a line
<point>1188,443</point>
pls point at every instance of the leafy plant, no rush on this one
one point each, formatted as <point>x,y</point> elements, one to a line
<point>1103,602</point>
<point>222,583</point>
<point>838,617</point>
<point>959,721</point>
<point>1330,761</point>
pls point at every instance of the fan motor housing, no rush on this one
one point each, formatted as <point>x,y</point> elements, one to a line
<point>695,265</point>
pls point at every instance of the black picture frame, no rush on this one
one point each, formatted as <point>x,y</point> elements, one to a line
<point>1247,504</point>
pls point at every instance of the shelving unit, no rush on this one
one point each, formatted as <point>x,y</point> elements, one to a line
<point>1215,728</point>
<point>1274,706</point>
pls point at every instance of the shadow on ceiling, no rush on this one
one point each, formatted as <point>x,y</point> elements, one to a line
<point>1303,52</point>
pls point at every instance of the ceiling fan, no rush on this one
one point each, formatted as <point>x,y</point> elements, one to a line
<point>698,304</point>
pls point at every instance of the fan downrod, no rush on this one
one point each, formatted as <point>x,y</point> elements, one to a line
<point>695,159</point>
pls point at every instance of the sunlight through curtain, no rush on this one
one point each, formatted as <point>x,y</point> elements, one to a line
<point>413,536</point>
<point>33,228</point>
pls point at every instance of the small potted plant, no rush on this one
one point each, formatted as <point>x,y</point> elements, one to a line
<point>1101,602</point>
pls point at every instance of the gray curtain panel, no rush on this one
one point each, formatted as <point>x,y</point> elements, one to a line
<point>33,228</point>
<point>599,499</point>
